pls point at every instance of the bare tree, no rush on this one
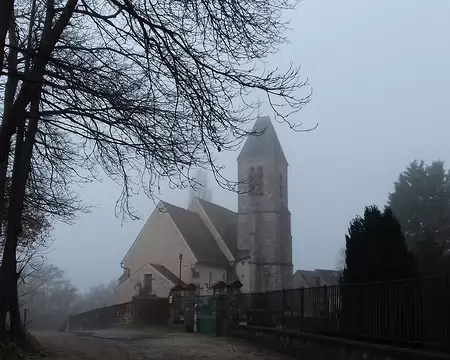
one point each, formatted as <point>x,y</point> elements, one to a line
<point>46,198</point>
<point>97,296</point>
<point>7,7</point>
<point>341,260</point>
<point>31,242</point>
<point>142,90</point>
<point>49,296</point>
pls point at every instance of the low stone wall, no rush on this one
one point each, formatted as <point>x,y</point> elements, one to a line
<point>312,346</point>
<point>138,312</point>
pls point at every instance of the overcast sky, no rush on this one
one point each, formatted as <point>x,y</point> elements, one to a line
<point>381,80</point>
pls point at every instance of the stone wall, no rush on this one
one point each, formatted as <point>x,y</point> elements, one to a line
<point>319,347</point>
<point>138,312</point>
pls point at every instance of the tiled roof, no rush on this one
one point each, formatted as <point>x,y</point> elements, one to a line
<point>169,275</point>
<point>318,277</point>
<point>197,236</point>
<point>225,222</point>
<point>305,278</point>
<point>330,277</point>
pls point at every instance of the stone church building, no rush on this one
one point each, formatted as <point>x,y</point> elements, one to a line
<point>207,243</point>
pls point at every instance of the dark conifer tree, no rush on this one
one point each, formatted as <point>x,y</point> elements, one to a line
<point>376,249</point>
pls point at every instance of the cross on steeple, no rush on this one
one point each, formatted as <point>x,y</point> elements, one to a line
<point>259,103</point>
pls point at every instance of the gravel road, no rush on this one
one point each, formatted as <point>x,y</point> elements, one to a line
<point>148,344</point>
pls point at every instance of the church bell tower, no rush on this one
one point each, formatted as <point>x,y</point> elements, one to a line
<point>264,228</point>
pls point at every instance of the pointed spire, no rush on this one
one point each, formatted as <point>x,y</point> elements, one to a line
<point>263,146</point>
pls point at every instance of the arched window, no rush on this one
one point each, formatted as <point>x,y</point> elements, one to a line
<point>251,180</point>
<point>255,181</point>
<point>210,279</point>
<point>259,181</point>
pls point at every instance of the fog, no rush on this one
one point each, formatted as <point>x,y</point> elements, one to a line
<point>381,87</point>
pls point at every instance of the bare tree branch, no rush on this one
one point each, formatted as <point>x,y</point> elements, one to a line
<point>139,90</point>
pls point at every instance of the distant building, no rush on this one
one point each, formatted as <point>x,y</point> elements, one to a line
<point>253,245</point>
<point>314,278</point>
<point>200,187</point>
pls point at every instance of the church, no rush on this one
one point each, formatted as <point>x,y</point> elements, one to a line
<point>207,243</point>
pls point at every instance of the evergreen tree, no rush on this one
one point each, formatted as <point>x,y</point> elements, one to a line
<point>431,255</point>
<point>376,249</point>
<point>421,199</point>
<point>421,202</point>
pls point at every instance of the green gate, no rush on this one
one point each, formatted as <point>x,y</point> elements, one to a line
<point>205,314</point>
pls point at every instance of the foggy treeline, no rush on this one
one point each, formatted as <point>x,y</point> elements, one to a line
<point>48,297</point>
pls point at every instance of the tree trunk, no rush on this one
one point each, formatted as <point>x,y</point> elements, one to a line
<point>21,169</point>
<point>6,14</point>
<point>10,299</point>
<point>17,328</point>
<point>29,93</point>
<point>8,282</point>
<point>3,309</point>
<point>10,90</point>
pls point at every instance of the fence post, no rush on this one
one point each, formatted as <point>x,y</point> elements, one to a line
<point>68,324</point>
<point>447,287</point>
<point>302,309</point>
<point>25,315</point>
<point>249,309</point>
<point>326,309</point>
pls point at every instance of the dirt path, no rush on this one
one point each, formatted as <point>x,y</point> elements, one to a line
<point>148,344</point>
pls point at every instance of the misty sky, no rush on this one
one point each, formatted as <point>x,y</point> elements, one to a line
<point>381,80</point>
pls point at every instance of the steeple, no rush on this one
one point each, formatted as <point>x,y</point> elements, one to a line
<point>264,146</point>
<point>264,229</point>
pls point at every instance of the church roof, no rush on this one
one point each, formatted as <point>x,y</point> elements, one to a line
<point>225,222</point>
<point>163,270</point>
<point>169,275</point>
<point>306,278</point>
<point>330,277</point>
<point>197,235</point>
<point>265,145</point>
<point>318,277</point>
